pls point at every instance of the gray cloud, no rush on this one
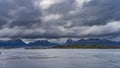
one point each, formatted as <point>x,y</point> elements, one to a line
<point>19,13</point>
<point>59,19</point>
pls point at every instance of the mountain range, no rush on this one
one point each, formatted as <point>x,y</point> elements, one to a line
<point>18,43</point>
<point>93,42</point>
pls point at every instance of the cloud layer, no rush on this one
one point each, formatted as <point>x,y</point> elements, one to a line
<point>53,19</point>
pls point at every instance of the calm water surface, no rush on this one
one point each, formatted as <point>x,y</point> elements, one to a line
<point>60,58</point>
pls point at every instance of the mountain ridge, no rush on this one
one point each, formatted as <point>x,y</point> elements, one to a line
<point>17,43</point>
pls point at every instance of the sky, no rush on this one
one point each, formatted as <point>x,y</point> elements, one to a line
<point>60,19</point>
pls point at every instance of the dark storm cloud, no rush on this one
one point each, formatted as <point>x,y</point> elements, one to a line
<point>28,15</point>
<point>104,11</point>
<point>95,12</point>
<point>59,18</point>
<point>19,13</point>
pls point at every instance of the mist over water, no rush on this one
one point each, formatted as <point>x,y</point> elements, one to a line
<point>60,58</point>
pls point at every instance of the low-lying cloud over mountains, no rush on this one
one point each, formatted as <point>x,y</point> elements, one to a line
<point>54,19</point>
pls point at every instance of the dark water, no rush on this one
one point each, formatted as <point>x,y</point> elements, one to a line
<point>60,58</point>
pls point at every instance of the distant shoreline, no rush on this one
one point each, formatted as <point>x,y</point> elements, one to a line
<point>68,47</point>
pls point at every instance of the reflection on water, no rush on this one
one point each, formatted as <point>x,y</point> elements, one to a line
<point>60,58</point>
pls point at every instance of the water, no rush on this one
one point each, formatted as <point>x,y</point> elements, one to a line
<point>60,58</point>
